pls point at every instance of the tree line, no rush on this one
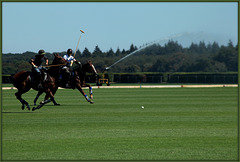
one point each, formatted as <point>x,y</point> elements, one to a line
<point>170,57</point>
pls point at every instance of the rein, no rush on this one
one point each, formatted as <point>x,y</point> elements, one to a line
<point>53,65</point>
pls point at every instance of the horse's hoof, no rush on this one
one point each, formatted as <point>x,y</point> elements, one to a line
<point>23,107</point>
<point>28,107</point>
<point>33,109</point>
<point>56,104</point>
<point>91,97</point>
<point>91,102</point>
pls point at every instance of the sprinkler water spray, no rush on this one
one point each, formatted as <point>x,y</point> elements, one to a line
<point>152,43</point>
<point>107,68</point>
<point>141,48</point>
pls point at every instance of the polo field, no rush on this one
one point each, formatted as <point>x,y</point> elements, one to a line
<point>178,123</point>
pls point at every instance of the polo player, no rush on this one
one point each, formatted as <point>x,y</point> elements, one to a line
<point>70,59</point>
<point>37,67</point>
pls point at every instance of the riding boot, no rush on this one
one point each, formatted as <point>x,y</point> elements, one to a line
<point>68,83</point>
<point>40,86</point>
<point>42,79</point>
<point>39,82</point>
<point>44,76</point>
<point>37,77</point>
<point>79,64</point>
<point>68,78</point>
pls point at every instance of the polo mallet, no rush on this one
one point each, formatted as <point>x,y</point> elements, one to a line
<point>78,42</point>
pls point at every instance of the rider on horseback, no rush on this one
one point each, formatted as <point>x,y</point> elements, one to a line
<point>70,59</point>
<point>37,67</point>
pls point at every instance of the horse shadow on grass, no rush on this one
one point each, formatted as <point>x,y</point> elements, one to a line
<point>25,111</point>
<point>18,112</point>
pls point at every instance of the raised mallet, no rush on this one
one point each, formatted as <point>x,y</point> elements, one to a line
<point>78,42</point>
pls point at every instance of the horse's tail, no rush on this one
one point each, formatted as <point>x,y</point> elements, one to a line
<point>18,78</point>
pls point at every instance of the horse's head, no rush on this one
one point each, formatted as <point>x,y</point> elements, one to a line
<point>89,67</point>
<point>58,60</point>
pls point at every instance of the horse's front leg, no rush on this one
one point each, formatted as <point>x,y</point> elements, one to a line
<point>47,98</point>
<point>83,93</point>
<point>90,92</point>
<point>48,94</point>
<point>90,89</point>
<point>37,96</point>
<point>51,95</point>
<point>19,97</point>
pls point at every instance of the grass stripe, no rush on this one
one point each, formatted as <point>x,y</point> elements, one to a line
<point>176,124</point>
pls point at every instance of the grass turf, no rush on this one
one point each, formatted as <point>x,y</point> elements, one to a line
<point>176,124</point>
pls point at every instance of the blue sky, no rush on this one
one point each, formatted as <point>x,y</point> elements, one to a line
<point>55,26</point>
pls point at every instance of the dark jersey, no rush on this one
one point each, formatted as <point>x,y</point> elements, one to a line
<point>38,60</point>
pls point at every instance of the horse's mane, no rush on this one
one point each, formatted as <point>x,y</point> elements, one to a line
<point>58,60</point>
<point>79,69</point>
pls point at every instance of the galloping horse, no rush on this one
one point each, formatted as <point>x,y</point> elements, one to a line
<point>81,72</point>
<point>77,81</point>
<point>23,82</point>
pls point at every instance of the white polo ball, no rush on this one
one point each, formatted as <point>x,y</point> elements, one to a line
<point>142,107</point>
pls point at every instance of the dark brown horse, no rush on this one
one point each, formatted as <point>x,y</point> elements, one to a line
<point>81,72</point>
<point>77,81</point>
<point>23,82</point>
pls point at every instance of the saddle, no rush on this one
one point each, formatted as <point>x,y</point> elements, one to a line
<point>35,79</point>
<point>66,78</point>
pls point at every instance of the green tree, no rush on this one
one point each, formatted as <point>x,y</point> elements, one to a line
<point>230,44</point>
<point>118,52</point>
<point>110,53</point>
<point>193,48</point>
<point>202,47</point>
<point>229,56</point>
<point>161,65</point>
<point>86,53</point>
<point>77,55</point>
<point>131,49</point>
<point>214,48</point>
<point>172,47</point>
<point>133,69</point>
<point>97,52</point>
<point>123,52</point>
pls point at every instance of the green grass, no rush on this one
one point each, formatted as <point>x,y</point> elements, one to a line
<point>7,85</point>
<point>132,84</point>
<point>176,124</point>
